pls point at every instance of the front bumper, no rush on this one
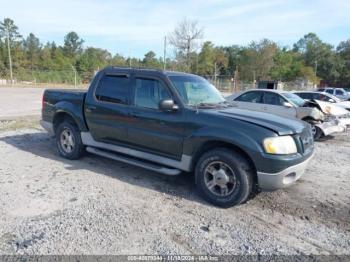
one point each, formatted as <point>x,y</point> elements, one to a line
<point>345,122</point>
<point>284,178</point>
<point>331,127</point>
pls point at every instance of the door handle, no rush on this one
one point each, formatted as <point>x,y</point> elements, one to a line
<point>134,114</point>
<point>89,109</point>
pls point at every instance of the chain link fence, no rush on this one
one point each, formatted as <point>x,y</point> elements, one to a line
<point>71,78</point>
<point>48,78</point>
<point>227,84</point>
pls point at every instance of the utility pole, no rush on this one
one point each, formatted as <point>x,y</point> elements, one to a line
<point>215,73</point>
<point>316,68</point>
<point>75,76</point>
<point>164,56</point>
<point>129,58</point>
<point>9,54</point>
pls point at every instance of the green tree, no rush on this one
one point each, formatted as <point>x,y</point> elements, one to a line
<point>257,59</point>
<point>91,60</point>
<point>233,54</point>
<point>343,56</point>
<point>150,60</point>
<point>287,66</point>
<point>73,45</point>
<point>118,60</point>
<point>32,48</point>
<point>9,31</point>
<point>211,59</point>
<point>318,55</point>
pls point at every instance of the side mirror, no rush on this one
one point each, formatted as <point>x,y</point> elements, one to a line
<point>168,105</point>
<point>287,104</point>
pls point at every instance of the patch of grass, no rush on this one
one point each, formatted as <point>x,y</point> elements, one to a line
<point>19,123</point>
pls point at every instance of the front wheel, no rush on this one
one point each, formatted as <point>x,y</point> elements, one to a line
<point>68,141</point>
<point>316,131</point>
<point>224,177</point>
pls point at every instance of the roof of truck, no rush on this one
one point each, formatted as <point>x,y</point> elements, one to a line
<point>148,70</point>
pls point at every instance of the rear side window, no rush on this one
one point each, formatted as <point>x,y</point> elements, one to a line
<point>149,92</point>
<point>252,97</point>
<point>273,99</point>
<point>329,91</point>
<point>113,89</point>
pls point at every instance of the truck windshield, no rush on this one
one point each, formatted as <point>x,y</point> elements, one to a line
<point>196,91</point>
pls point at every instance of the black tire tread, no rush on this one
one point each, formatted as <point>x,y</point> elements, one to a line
<point>80,149</point>
<point>242,163</point>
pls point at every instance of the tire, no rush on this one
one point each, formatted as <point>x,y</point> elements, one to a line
<point>316,131</point>
<point>230,167</point>
<point>68,141</point>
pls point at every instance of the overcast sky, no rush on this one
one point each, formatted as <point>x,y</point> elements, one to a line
<point>141,25</point>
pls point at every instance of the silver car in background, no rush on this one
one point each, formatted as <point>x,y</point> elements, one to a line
<point>323,96</point>
<point>290,105</point>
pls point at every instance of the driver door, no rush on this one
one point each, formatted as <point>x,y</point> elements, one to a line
<point>152,129</point>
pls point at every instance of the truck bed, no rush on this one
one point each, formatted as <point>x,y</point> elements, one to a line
<point>52,96</point>
<point>55,99</point>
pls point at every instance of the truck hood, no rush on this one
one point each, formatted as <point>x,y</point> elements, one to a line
<point>280,125</point>
<point>331,109</point>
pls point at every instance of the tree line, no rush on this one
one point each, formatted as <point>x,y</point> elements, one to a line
<point>310,58</point>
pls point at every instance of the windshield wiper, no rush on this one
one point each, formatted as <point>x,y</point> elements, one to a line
<point>207,105</point>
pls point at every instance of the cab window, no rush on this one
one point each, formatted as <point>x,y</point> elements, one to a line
<point>149,92</point>
<point>113,89</point>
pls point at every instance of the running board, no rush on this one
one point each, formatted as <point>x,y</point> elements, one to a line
<point>135,162</point>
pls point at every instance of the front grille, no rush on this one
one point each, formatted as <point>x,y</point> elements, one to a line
<point>307,139</point>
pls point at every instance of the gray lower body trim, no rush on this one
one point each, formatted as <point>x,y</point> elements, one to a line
<point>184,164</point>
<point>139,163</point>
<point>48,127</point>
<point>284,178</point>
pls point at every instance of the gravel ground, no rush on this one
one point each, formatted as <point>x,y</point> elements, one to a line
<point>29,99</point>
<point>50,205</point>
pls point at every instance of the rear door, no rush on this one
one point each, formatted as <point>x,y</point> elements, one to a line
<point>107,108</point>
<point>274,104</point>
<point>152,129</point>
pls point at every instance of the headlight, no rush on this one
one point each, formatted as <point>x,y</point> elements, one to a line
<point>280,145</point>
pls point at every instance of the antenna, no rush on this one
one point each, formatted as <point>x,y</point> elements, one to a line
<point>164,56</point>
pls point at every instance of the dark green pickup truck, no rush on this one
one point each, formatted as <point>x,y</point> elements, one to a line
<point>171,122</point>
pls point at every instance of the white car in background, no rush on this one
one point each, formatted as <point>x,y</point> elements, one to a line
<point>338,92</point>
<point>323,96</point>
<point>322,116</point>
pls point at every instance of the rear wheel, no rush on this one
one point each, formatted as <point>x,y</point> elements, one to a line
<point>224,177</point>
<point>68,140</point>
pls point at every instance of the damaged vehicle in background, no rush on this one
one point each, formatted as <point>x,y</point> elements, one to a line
<point>323,96</point>
<point>287,104</point>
